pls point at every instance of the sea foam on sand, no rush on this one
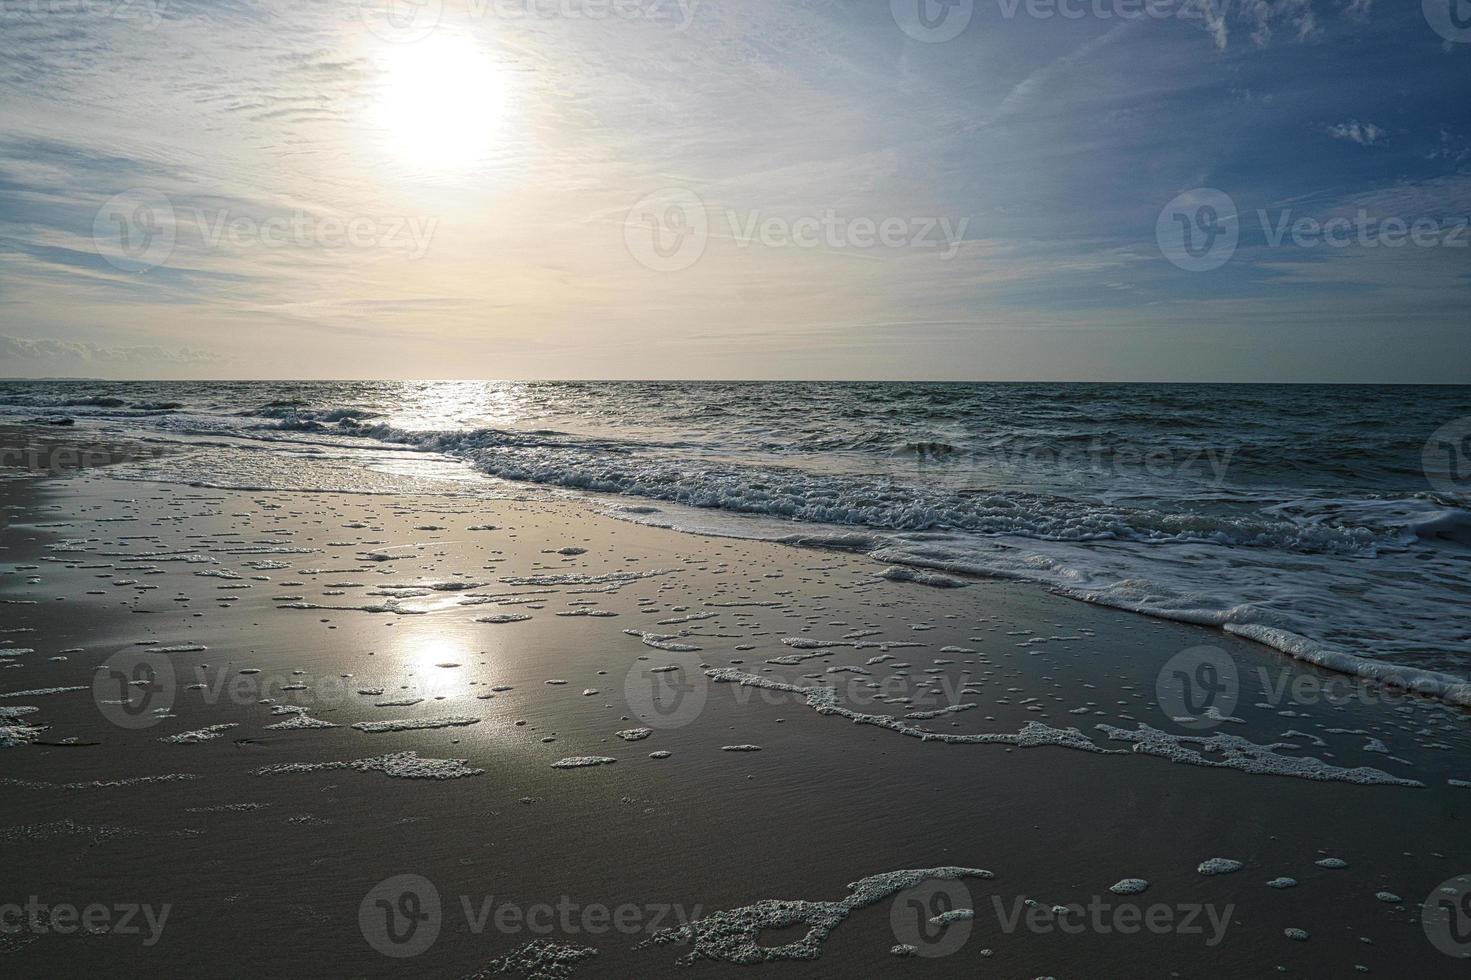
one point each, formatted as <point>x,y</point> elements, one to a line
<point>399,765</point>
<point>734,935</point>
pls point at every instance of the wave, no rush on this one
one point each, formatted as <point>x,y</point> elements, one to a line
<point>881,501</point>
<point>929,448</point>
<point>1244,508</point>
<point>1255,622</point>
<point>296,414</point>
<point>1452,526</point>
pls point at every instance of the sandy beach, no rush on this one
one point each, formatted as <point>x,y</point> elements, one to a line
<point>650,489</point>
<point>320,734</point>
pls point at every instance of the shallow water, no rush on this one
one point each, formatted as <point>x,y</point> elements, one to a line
<point>1329,522</point>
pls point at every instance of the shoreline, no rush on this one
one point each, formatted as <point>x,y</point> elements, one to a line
<point>1449,688</point>
<point>821,802</point>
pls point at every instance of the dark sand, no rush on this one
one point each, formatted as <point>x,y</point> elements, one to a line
<point>265,875</point>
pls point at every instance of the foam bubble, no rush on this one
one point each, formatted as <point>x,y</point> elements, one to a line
<point>199,734</point>
<point>40,692</point>
<point>583,761</point>
<point>1219,866</point>
<point>1129,886</point>
<point>398,765</point>
<point>662,641</point>
<point>300,721</point>
<point>634,734</point>
<point>823,700</point>
<point>415,724</point>
<point>611,578</point>
<point>541,959</point>
<point>734,935</point>
<point>1234,752</point>
<point>13,735</point>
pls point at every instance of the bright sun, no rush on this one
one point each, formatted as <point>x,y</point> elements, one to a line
<point>442,103</point>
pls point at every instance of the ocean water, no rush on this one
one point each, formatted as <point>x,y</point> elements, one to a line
<point>1330,522</point>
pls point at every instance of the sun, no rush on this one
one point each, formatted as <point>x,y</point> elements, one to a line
<point>442,103</point>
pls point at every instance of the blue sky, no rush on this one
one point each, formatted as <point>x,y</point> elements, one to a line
<point>655,188</point>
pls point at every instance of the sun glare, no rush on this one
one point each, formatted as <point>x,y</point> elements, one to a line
<point>442,103</point>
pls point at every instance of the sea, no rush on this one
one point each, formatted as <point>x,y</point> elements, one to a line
<point>1331,523</point>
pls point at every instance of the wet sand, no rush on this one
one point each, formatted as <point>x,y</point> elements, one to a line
<point>241,609</point>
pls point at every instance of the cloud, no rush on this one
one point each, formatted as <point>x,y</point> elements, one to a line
<point>1265,19</point>
<point>1364,134</point>
<point>34,350</point>
<point>1059,139</point>
<point>1264,15</point>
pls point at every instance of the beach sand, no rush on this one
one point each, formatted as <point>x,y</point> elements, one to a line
<point>761,796</point>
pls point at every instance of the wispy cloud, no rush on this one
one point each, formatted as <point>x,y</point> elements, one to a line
<point>58,352</point>
<point>253,135</point>
<point>1364,134</point>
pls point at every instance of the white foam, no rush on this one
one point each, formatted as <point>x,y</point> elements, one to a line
<point>1220,866</point>
<point>823,700</point>
<point>634,734</point>
<point>540,959</point>
<point>734,935</point>
<point>40,692</point>
<point>583,761</point>
<point>300,721</point>
<point>1234,752</point>
<point>900,573</point>
<point>415,724</point>
<point>1448,687</point>
<point>611,578</point>
<point>662,641</point>
<point>398,765</point>
<point>199,734</point>
<point>13,735</point>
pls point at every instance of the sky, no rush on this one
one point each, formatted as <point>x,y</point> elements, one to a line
<point>1174,190</point>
